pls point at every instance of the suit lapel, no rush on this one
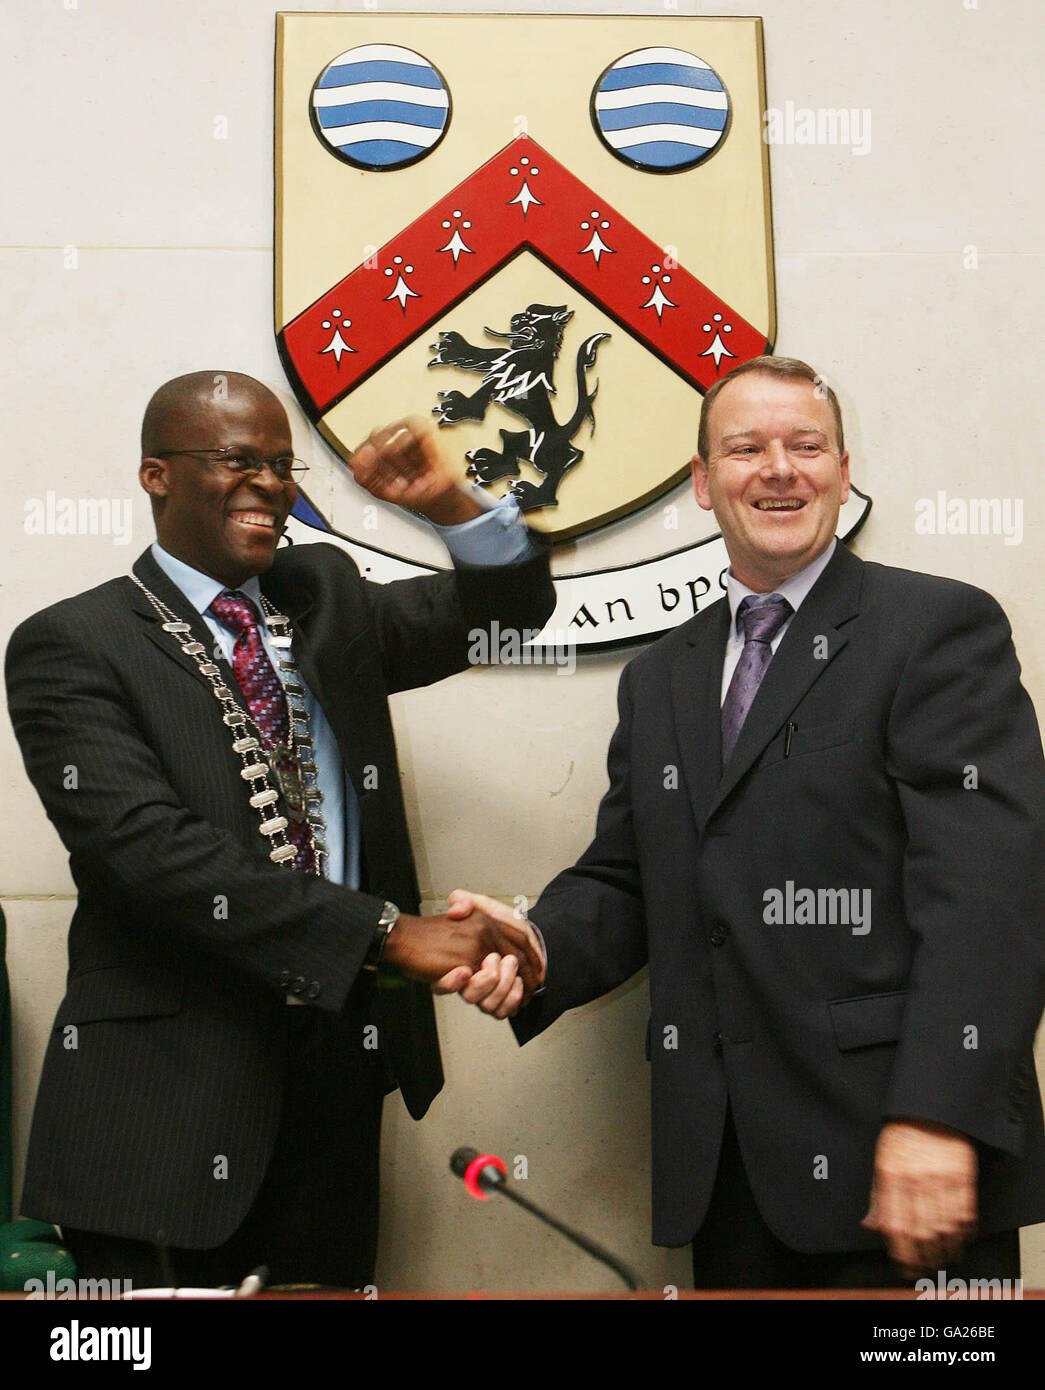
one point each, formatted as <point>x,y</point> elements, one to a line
<point>292,596</point>
<point>318,652</point>
<point>153,577</point>
<point>696,681</point>
<point>810,644</point>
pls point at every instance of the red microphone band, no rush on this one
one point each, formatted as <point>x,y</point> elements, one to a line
<point>471,1174</point>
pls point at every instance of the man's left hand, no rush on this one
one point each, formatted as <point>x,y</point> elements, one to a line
<point>923,1196</point>
<point>403,464</point>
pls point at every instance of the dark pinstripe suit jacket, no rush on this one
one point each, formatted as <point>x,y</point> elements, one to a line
<point>179,1009</point>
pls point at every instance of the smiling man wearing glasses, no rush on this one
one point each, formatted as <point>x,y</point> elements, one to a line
<point>237,834</point>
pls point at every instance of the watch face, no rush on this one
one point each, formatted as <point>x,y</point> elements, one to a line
<point>389,917</point>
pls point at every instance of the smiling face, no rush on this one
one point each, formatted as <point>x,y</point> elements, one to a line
<point>223,525</point>
<point>773,476</point>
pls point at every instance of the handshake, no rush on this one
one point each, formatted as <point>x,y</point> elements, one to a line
<point>479,949</point>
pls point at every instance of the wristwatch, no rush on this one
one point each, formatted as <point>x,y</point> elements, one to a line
<point>389,917</point>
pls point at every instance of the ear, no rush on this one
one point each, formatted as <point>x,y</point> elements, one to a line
<point>699,468</point>
<point>844,496</point>
<point>154,476</point>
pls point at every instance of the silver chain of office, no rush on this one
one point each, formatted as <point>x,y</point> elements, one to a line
<point>290,764</point>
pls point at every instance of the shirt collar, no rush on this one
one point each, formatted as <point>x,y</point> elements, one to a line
<point>200,589</point>
<point>794,588</point>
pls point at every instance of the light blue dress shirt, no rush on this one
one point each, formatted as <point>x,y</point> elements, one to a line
<point>497,537</point>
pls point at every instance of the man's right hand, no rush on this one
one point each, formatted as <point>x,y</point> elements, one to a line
<point>495,988</point>
<point>432,949</point>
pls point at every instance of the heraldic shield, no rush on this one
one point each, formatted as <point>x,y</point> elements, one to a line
<point>550,232</point>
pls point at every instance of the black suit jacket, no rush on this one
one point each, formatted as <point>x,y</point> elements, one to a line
<point>898,684</point>
<point>186,938</point>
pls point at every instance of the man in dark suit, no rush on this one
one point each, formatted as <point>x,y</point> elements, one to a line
<point>190,1124</point>
<point>823,835</point>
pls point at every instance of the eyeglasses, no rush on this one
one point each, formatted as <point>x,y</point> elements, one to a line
<point>285,467</point>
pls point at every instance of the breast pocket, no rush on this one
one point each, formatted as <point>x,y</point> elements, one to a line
<point>797,740</point>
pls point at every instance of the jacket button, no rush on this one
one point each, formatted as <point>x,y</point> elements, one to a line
<point>298,985</point>
<point>716,1039</point>
<point>719,932</point>
<point>313,990</point>
<point>284,979</point>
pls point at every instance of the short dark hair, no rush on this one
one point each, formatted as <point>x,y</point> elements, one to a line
<point>772,366</point>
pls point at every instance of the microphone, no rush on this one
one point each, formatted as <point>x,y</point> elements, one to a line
<point>481,1173</point>
<point>485,1174</point>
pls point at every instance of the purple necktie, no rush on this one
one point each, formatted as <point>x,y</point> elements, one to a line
<point>264,694</point>
<point>762,618</point>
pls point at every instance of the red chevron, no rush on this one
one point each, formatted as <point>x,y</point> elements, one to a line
<point>382,325</point>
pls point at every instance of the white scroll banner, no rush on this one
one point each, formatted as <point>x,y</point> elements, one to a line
<point>598,610</point>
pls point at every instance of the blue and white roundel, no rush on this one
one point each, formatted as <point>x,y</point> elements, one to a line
<point>660,109</point>
<point>380,106</point>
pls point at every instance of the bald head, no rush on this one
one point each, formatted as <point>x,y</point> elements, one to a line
<point>188,402</point>
<point>217,516</point>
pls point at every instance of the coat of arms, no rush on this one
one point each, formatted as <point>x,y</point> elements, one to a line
<point>552,232</point>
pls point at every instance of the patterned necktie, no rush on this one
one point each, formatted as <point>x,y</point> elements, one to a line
<point>264,694</point>
<point>761,618</point>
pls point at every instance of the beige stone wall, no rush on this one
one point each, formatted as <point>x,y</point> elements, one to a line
<point>111,151</point>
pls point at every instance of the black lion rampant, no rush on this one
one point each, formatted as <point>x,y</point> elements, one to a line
<point>519,377</point>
